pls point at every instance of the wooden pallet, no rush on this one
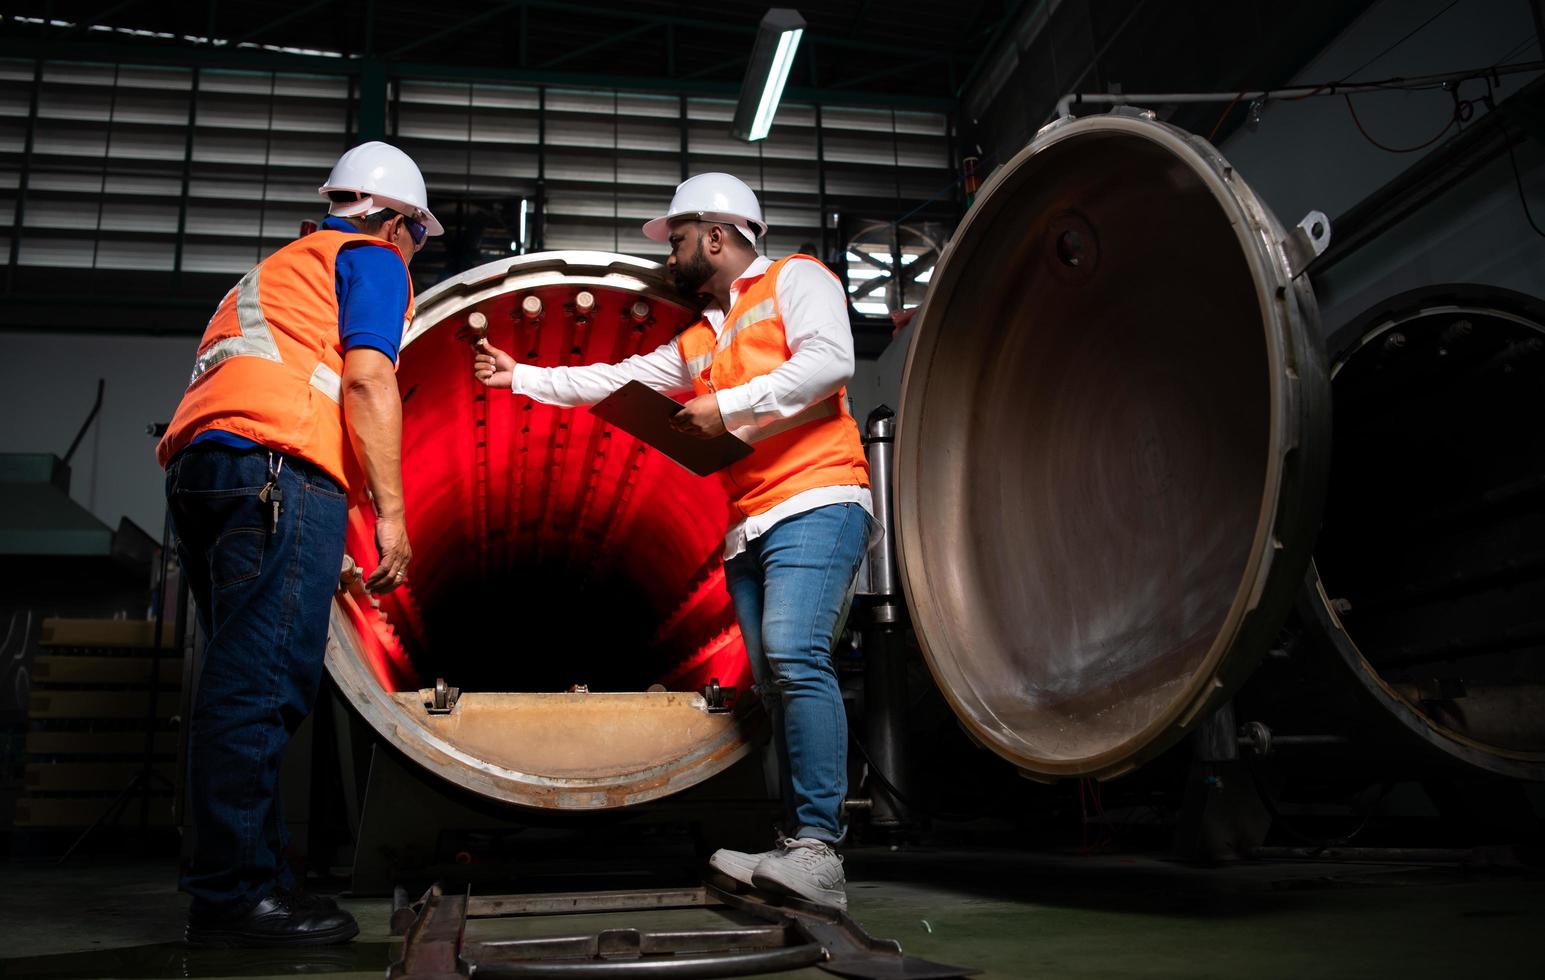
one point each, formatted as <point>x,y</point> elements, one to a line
<point>95,685</point>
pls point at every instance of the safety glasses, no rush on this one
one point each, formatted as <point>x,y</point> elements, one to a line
<point>417,230</point>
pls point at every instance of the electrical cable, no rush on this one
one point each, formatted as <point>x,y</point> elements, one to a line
<point>1211,135</point>
<point>1516,49</point>
<point>1412,33</point>
<point>1507,140</point>
<point>1397,149</point>
<point>1345,78</point>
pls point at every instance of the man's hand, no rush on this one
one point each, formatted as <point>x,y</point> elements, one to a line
<point>493,367</point>
<point>700,417</point>
<point>392,545</point>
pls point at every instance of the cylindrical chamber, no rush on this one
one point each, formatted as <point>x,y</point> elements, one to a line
<point>1429,574</point>
<point>554,555</point>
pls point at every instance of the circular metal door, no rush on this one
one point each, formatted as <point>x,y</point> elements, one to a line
<point>1111,447</point>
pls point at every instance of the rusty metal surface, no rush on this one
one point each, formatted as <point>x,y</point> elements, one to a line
<point>1111,446</point>
<point>580,903</point>
<point>517,770</point>
<point>431,948</point>
<point>579,736</point>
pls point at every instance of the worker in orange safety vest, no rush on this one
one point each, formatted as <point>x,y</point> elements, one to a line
<point>768,360</point>
<point>292,406</point>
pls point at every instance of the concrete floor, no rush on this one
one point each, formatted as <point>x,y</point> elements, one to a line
<point>1008,914</point>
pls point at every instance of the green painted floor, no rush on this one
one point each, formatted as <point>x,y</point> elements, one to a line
<point>1008,914</point>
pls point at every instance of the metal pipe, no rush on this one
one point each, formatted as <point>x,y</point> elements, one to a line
<point>885,672</point>
<point>878,575</point>
<point>1064,104</point>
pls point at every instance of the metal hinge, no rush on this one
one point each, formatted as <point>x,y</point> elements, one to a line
<point>442,700</point>
<point>718,698</point>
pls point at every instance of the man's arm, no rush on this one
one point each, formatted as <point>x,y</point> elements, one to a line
<point>372,413</point>
<point>569,387</point>
<point>815,323</point>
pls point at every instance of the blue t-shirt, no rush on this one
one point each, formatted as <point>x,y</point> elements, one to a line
<point>372,301</point>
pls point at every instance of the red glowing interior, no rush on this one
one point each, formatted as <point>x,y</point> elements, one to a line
<point>549,549</point>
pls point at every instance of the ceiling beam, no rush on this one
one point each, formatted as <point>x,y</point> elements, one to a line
<point>258,59</point>
<point>457,27</point>
<point>899,68</point>
<point>1009,20</point>
<point>287,18</point>
<point>86,23</point>
<point>600,45</point>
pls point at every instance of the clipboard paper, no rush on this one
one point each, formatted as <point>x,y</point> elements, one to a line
<point>645,414</point>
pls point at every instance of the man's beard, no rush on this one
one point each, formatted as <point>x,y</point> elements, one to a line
<point>692,274</point>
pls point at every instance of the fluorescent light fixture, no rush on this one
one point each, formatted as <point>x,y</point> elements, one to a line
<point>777,41</point>
<point>524,203</point>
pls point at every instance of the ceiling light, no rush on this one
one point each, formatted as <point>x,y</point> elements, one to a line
<point>777,40</point>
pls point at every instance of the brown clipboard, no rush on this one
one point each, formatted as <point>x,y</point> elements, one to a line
<point>644,413</point>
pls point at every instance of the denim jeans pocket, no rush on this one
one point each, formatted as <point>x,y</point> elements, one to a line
<point>238,556</point>
<point>325,487</point>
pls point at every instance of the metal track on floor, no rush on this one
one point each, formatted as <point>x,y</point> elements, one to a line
<point>785,935</point>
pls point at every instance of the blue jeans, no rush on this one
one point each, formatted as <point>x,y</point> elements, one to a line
<point>263,596</point>
<point>791,588</point>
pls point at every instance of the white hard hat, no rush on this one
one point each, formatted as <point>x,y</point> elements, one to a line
<point>711,197</point>
<point>383,177</point>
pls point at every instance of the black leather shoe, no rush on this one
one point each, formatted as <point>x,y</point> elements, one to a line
<point>275,921</point>
<point>305,901</point>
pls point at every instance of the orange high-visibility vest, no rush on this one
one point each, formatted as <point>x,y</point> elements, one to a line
<point>819,447</point>
<point>270,366</point>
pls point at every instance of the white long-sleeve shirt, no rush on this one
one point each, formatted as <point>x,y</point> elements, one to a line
<point>815,325</point>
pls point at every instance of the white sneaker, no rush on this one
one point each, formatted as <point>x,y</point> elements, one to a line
<point>737,864</point>
<point>807,868</point>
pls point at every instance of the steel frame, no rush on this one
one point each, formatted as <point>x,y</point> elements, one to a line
<point>785,936</point>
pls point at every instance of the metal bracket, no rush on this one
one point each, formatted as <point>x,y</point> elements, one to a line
<point>1306,242</point>
<point>442,700</point>
<point>720,699</point>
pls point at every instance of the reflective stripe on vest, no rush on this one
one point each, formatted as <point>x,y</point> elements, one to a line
<point>269,368</point>
<point>257,340</point>
<point>765,310</point>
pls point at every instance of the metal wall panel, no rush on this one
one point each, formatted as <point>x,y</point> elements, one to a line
<point>208,170</point>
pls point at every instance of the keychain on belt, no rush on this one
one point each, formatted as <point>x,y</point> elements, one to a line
<point>271,493</point>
